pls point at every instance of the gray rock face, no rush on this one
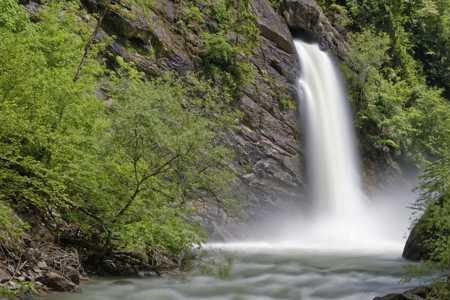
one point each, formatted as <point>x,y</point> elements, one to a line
<point>272,26</point>
<point>149,30</point>
<point>268,163</point>
<point>306,15</point>
<point>267,142</point>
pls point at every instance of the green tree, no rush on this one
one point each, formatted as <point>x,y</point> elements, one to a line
<point>124,175</point>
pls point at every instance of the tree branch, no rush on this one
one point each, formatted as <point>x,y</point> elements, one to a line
<point>137,189</point>
<point>89,43</point>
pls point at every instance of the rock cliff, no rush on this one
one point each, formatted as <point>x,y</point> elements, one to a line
<point>268,160</point>
<point>307,16</point>
<point>268,163</point>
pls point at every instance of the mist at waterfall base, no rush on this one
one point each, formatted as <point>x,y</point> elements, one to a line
<point>342,218</point>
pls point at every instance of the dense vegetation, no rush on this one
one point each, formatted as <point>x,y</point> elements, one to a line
<point>103,156</point>
<point>398,76</point>
<point>109,159</point>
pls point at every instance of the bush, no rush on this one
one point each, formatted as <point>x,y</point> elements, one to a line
<point>12,228</point>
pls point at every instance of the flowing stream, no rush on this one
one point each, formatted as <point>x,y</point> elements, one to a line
<point>264,275</point>
<point>348,247</point>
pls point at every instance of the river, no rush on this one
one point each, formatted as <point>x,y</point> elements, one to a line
<point>263,273</point>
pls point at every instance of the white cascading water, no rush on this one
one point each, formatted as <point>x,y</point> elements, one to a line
<point>331,148</point>
<point>343,217</point>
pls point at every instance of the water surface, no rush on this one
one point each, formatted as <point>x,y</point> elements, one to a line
<point>264,274</point>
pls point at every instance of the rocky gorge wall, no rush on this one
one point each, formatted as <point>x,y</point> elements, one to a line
<point>268,146</point>
<point>267,142</point>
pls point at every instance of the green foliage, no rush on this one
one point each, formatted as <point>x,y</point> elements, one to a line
<point>396,112</point>
<point>218,50</point>
<point>434,224</point>
<point>418,29</point>
<point>12,15</point>
<point>21,288</point>
<point>12,228</point>
<point>123,174</point>
<point>435,201</point>
<point>48,119</point>
<point>398,75</point>
<point>164,230</point>
<point>430,27</point>
<point>229,34</point>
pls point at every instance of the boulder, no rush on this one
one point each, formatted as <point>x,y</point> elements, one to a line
<point>419,293</point>
<point>4,275</point>
<point>72,274</point>
<point>57,282</point>
<point>415,248</point>
<point>307,16</point>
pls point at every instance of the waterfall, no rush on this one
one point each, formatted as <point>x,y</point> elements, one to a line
<point>343,217</point>
<point>331,149</point>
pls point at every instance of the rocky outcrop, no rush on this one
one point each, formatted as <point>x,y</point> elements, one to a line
<point>267,141</point>
<point>268,163</point>
<point>41,261</point>
<point>307,16</point>
<point>272,26</point>
<point>415,247</point>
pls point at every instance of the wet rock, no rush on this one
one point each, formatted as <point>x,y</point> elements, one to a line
<point>145,274</point>
<point>124,264</point>
<point>26,296</point>
<point>306,15</point>
<point>72,274</point>
<point>42,265</point>
<point>122,282</point>
<point>416,248</point>
<point>4,275</point>
<point>146,65</point>
<point>57,282</point>
<point>419,293</point>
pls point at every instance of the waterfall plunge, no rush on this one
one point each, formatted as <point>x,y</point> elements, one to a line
<point>333,161</point>
<point>343,218</point>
